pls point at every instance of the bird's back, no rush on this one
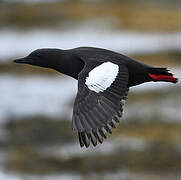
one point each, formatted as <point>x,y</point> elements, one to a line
<point>99,54</point>
<point>103,55</point>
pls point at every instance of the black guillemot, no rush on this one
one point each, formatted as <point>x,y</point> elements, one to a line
<point>104,78</point>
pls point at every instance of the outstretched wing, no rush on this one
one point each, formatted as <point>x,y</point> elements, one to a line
<point>98,107</point>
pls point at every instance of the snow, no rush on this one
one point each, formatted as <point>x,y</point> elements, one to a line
<point>48,95</point>
<point>20,43</point>
<point>36,95</point>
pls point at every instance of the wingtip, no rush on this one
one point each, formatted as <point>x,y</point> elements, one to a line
<point>80,140</point>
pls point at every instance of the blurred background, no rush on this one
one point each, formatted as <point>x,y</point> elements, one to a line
<point>36,139</point>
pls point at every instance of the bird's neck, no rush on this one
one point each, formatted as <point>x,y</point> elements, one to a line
<point>70,65</point>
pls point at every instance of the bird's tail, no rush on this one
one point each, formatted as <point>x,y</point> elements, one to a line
<point>162,74</point>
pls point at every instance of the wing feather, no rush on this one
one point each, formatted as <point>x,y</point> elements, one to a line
<point>96,113</point>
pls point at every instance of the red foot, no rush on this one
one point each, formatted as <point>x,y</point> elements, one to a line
<point>167,78</point>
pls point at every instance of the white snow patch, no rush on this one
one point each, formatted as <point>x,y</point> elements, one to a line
<point>36,95</point>
<point>20,43</point>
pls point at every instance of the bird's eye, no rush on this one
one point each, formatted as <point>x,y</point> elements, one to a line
<point>38,55</point>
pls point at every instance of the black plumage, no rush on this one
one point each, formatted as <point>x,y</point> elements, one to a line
<point>101,95</point>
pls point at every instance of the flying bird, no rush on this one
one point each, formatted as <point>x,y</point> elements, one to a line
<point>104,78</point>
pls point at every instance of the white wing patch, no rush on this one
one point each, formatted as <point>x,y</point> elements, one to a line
<point>102,76</point>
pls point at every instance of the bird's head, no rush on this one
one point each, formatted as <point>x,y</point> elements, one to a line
<point>48,58</point>
<point>61,60</point>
